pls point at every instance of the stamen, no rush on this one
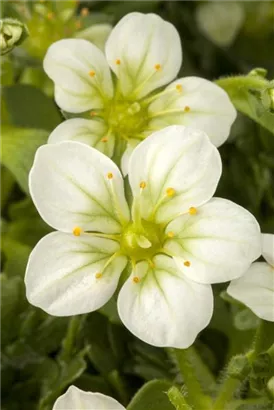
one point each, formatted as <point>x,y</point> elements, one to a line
<point>98,275</point>
<point>110,175</point>
<point>78,24</point>
<point>187,263</point>
<point>104,139</point>
<point>50,15</point>
<point>158,67</point>
<point>143,184</point>
<point>136,279</point>
<point>93,114</point>
<point>187,108</point>
<point>192,210</point>
<point>85,11</point>
<point>179,88</point>
<point>170,192</point>
<point>92,73</point>
<point>118,61</point>
<point>77,231</point>
<point>171,234</point>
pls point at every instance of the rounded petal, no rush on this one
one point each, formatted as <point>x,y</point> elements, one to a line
<point>268,248</point>
<point>181,169</point>
<point>70,186</point>
<point>164,308</point>
<point>145,53</point>
<point>88,132</point>
<point>75,399</point>
<point>126,156</point>
<point>61,273</point>
<point>256,290</point>
<point>218,243</point>
<point>195,102</point>
<point>96,34</point>
<point>80,73</point>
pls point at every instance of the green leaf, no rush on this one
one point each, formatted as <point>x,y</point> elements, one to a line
<point>29,107</point>
<point>13,301</point>
<point>16,257</point>
<point>152,396</point>
<point>246,93</point>
<point>18,149</point>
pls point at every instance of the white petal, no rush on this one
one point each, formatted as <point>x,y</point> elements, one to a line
<point>127,154</point>
<point>220,241</point>
<point>176,157</point>
<point>70,187</point>
<point>268,248</point>
<point>61,271</point>
<point>96,34</point>
<point>197,103</point>
<point>88,132</point>
<point>256,290</point>
<point>140,42</point>
<point>69,63</point>
<point>164,308</point>
<point>76,399</point>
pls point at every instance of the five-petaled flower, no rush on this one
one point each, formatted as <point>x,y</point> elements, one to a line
<point>175,242</point>
<point>256,287</point>
<point>75,399</point>
<point>125,106</point>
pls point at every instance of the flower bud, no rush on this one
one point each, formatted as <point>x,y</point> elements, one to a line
<point>12,33</point>
<point>239,367</point>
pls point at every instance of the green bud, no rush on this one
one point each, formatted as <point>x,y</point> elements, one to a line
<point>12,33</point>
<point>259,71</point>
<point>239,367</point>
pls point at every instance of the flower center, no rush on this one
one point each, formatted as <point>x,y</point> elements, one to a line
<point>126,119</point>
<point>142,242</point>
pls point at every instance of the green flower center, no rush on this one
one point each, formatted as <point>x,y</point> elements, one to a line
<point>126,119</point>
<point>142,242</point>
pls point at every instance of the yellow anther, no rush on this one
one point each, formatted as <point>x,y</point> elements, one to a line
<point>84,11</point>
<point>92,73</point>
<point>170,191</point>
<point>192,210</point>
<point>50,15</point>
<point>187,263</point>
<point>117,62</point>
<point>143,184</point>
<point>187,108</point>
<point>104,139</point>
<point>78,24</point>
<point>170,234</point>
<point>98,275</point>
<point>157,67</point>
<point>110,175</point>
<point>136,279</point>
<point>93,114</point>
<point>77,231</point>
<point>179,88</point>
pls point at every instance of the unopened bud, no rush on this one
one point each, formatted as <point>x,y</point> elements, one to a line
<point>238,367</point>
<point>12,33</point>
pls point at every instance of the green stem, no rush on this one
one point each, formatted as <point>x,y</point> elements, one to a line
<point>177,399</point>
<point>69,340</point>
<point>264,336</point>
<point>187,362</point>
<point>226,393</point>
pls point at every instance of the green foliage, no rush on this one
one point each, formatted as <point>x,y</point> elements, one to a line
<point>42,355</point>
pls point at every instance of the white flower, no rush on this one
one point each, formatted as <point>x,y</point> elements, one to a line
<point>144,53</point>
<point>256,287</point>
<point>177,240</point>
<point>76,399</point>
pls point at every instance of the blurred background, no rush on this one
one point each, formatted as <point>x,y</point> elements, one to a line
<point>41,354</point>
